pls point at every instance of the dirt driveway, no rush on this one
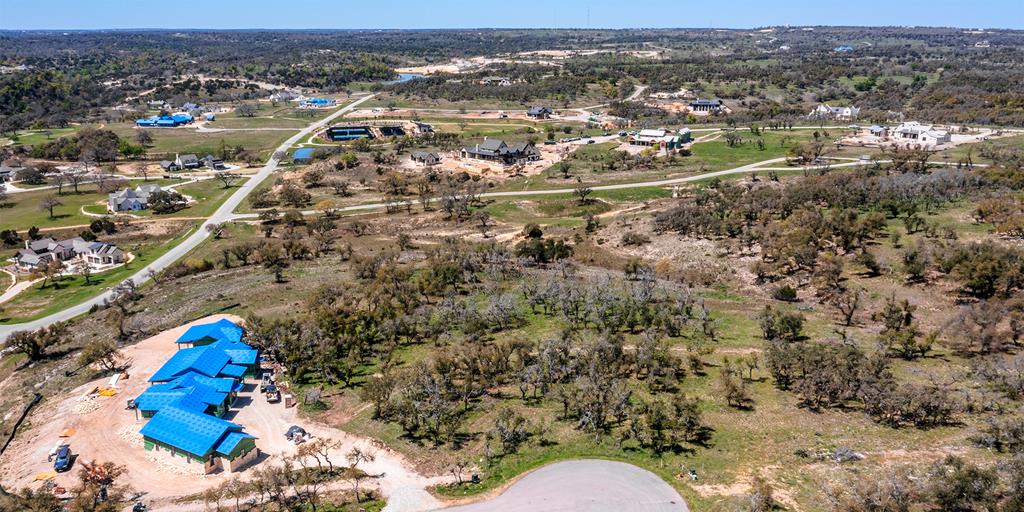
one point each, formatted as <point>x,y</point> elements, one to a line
<point>104,430</point>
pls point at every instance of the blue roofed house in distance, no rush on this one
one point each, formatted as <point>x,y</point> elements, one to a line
<point>190,394</point>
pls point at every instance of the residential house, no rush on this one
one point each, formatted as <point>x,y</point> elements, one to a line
<point>879,131</point>
<point>284,96</point>
<point>101,254</point>
<point>187,161</point>
<point>825,111</point>
<point>496,150</point>
<point>213,163</point>
<point>38,253</point>
<point>7,173</point>
<point>317,103</point>
<point>131,200</point>
<point>426,158</point>
<point>660,137</point>
<point>168,165</point>
<point>709,106</point>
<point>913,132</point>
<point>500,81</point>
<point>539,112</point>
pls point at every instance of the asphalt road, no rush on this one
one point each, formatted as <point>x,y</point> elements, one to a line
<point>584,486</point>
<point>224,213</point>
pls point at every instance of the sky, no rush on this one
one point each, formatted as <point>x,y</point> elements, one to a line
<point>425,14</point>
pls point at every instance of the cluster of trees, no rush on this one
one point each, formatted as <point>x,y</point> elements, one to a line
<point>464,299</point>
<point>89,145</point>
<point>948,484</point>
<point>301,482</point>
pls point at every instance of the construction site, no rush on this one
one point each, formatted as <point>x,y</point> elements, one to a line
<point>173,427</point>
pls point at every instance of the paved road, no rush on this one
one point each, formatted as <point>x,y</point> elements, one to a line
<point>584,486</point>
<point>224,213</point>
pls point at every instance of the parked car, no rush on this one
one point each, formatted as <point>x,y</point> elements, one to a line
<point>267,380</point>
<point>591,141</point>
<point>63,460</point>
<point>549,142</point>
<point>623,133</point>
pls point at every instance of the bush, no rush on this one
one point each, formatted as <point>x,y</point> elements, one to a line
<point>635,239</point>
<point>785,293</point>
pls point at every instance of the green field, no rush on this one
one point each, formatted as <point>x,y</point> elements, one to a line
<point>188,140</point>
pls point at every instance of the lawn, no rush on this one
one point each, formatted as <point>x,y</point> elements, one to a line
<point>22,209</point>
<point>209,195</point>
<point>37,301</point>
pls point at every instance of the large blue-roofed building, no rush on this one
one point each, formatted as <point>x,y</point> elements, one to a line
<point>191,393</point>
<point>164,121</point>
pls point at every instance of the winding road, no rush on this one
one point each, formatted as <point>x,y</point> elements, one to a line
<point>588,485</point>
<point>223,214</point>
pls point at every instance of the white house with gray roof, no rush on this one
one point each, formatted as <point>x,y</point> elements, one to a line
<point>39,253</point>
<point>128,200</point>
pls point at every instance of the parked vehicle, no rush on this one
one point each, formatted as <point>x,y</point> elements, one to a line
<point>273,394</point>
<point>267,380</point>
<point>591,141</point>
<point>63,460</point>
<point>296,434</point>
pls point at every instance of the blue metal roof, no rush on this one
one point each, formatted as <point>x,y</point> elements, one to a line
<point>220,384</point>
<point>240,353</point>
<point>221,330</point>
<point>186,430</point>
<point>159,396</point>
<point>206,360</point>
<point>230,441</point>
<point>233,370</point>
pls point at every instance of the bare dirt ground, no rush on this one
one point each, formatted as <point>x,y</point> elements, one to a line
<point>105,431</point>
<point>452,161</point>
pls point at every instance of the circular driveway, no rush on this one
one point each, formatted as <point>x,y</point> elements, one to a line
<point>584,486</point>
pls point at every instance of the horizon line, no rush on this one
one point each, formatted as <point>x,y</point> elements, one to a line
<point>398,29</point>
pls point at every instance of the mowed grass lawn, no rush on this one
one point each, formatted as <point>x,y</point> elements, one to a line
<point>37,302</point>
<point>718,155</point>
<point>209,194</point>
<point>188,140</point>
<point>22,210</point>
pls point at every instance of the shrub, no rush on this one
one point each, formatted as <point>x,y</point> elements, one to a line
<point>785,293</point>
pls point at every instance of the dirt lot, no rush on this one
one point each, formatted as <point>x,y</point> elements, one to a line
<point>105,431</point>
<point>452,161</point>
